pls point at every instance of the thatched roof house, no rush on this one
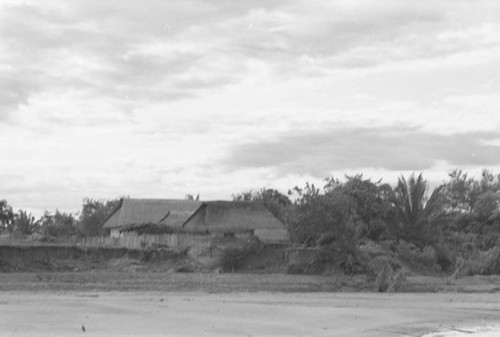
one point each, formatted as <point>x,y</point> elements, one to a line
<point>227,218</point>
<point>172,213</point>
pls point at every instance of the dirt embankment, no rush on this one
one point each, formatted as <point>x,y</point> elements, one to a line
<point>73,258</point>
<point>76,267</point>
<point>120,269</point>
<point>56,257</point>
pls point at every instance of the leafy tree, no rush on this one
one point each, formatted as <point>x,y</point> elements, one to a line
<point>486,205</point>
<point>489,182</point>
<point>485,216</point>
<point>460,192</point>
<point>318,217</point>
<point>417,218</point>
<point>474,204</point>
<point>276,202</point>
<point>370,203</point>
<point>6,216</point>
<point>357,207</point>
<point>58,224</point>
<point>326,218</point>
<point>93,214</point>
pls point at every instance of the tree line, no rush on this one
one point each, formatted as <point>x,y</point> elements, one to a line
<point>374,210</point>
<point>339,214</point>
<point>461,216</point>
<point>87,222</point>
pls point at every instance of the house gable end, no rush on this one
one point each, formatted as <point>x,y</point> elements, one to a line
<point>113,220</point>
<point>196,222</point>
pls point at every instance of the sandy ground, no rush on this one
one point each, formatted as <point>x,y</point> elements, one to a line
<point>242,314</point>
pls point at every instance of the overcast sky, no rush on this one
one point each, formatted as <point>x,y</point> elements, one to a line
<point>164,98</point>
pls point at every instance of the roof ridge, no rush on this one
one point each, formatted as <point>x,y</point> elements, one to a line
<point>160,199</point>
<point>113,212</point>
<point>203,205</point>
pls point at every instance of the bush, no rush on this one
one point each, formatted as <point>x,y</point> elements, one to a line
<point>423,261</point>
<point>374,230</point>
<point>444,257</point>
<point>349,259</point>
<point>481,263</point>
<point>232,257</point>
<point>375,266</point>
<point>147,228</point>
<point>492,265</point>
<point>383,280</point>
<point>398,281</point>
<point>389,279</point>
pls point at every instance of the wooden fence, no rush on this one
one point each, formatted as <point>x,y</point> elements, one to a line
<point>179,241</point>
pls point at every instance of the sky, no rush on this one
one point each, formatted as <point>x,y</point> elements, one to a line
<point>159,99</point>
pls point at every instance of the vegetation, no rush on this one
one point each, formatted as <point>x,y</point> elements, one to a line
<point>276,202</point>
<point>454,228</point>
<point>93,213</point>
<point>351,223</point>
<point>417,219</point>
<point>25,223</point>
<point>147,228</point>
<point>58,224</point>
<point>6,216</point>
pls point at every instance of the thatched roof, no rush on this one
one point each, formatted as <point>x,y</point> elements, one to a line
<point>230,216</point>
<point>172,213</point>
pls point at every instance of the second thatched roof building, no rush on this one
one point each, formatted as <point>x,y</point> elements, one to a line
<point>230,218</point>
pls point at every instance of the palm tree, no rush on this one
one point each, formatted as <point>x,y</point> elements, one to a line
<point>24,223</point>
<point>417,218</point>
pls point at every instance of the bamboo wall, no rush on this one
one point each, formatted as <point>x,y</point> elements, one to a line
<point>133,241</point>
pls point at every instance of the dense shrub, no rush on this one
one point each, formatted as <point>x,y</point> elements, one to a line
<point>93,214</point>
<point>444,257</point>
<point>375,230</point>
<point>492,265</point>
<point>384,278</point>
<point>232,257</point>
<point>375,265</point>
<point>422,261</point>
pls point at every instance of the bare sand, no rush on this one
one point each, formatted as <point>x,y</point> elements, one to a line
<point>476,331</point>
<point>24,313</point>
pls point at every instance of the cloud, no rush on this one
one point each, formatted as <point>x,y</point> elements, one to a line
<point>137,55</point>
<point>113,97</point>
<point>320,38</point>
<point>120,52</point>
<point>15,91</point>
<point>391,148</point>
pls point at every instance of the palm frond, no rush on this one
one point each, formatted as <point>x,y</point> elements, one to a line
<point>415,217</point>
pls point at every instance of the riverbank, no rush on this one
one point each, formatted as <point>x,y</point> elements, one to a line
<point>241,314</point>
